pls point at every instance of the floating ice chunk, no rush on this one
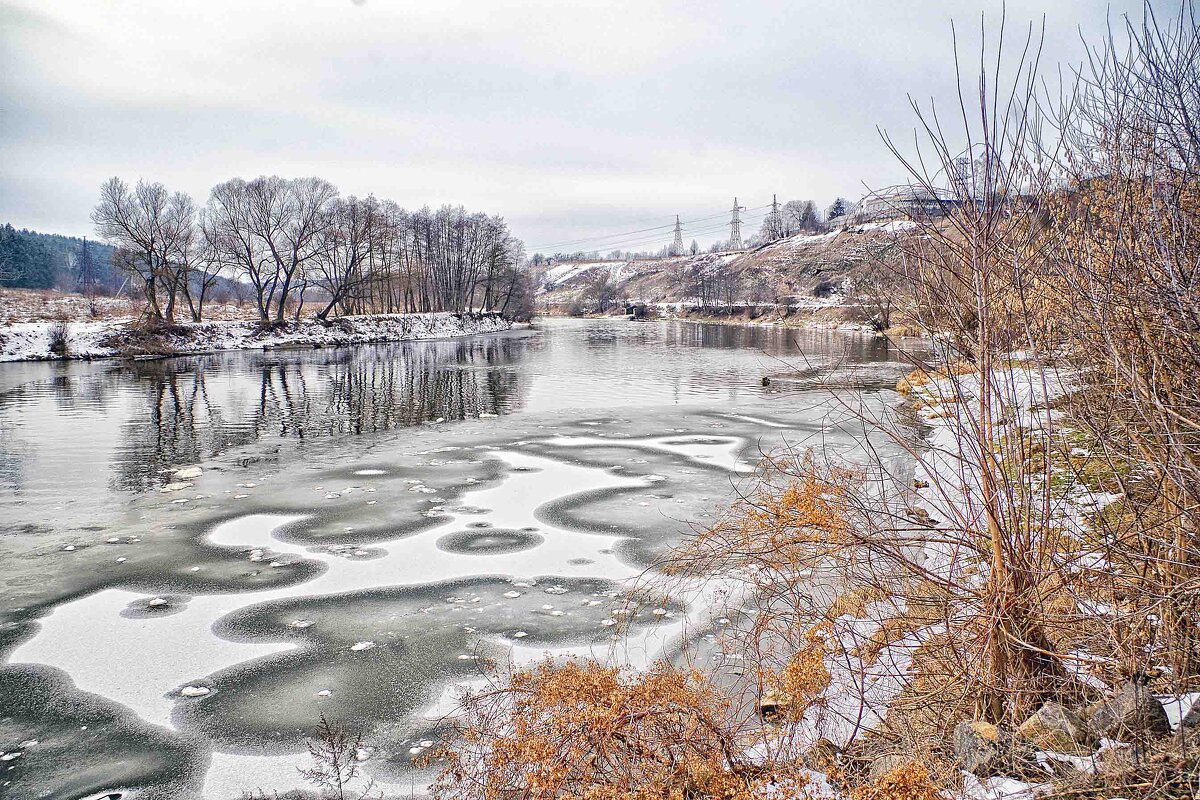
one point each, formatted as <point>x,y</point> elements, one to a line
<point>556,590</point>
<point>187,473</point>
<point>520,635</point>
<point>194,691</point>
<point>659,612</point>
<point>157,602</point>
<point>608,623</point>
<point>357,646</point>
<point>324,693</point>
<point>512,595</point>
<point>300,623</point>
<point>370,472</point>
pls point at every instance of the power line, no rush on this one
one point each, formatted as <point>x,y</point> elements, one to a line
<point>585,239</point>
<point>642,241</point>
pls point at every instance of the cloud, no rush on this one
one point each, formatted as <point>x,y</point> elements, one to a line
<point>567,118</point>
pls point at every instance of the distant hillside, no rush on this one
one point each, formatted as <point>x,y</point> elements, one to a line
<point>33,260</point>
<point>802,266</point>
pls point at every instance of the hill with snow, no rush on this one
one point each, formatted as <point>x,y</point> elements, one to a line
<point>793,269</point>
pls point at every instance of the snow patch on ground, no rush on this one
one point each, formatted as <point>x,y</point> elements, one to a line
<point>31,341</point>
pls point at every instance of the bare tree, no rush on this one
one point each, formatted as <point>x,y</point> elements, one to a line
<point>342,263</point>
<point>157,229</point>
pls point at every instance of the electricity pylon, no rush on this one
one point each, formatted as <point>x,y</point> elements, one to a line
<point>735,227</point>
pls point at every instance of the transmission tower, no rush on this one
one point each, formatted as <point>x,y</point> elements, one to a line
<point>677,246</point>
<point>774,220</point>
<point>735,227</point>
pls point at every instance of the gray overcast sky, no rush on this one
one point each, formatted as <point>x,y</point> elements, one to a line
<point>569,118</point>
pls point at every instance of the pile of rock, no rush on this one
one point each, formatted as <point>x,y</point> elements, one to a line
<point>1132,715</point>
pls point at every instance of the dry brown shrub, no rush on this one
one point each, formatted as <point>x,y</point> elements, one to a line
<point>909,781</point>
<point>586,731</point>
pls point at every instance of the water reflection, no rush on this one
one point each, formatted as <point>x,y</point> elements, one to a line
<point>111,426</point>
<point>149,417</point>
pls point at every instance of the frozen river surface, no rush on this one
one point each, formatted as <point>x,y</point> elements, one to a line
<point>368,525</point>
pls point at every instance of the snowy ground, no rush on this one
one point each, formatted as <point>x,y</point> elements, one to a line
<point>31,341</point>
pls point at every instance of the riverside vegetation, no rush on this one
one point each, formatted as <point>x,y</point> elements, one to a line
<point>1020,613</point>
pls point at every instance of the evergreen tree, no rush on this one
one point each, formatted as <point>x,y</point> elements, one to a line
<point>24,262</point>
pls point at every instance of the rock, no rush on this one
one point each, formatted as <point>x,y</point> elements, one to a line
<point>978,746</point>
<point>1056,728</point>
<point>1133,713</point>
<point>823,756</point>
<point>885,764</point>
<point>773,706</point>
<point>986,751</point>
<point>1192,718</point>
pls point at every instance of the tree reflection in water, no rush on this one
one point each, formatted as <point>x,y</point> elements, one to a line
<point>195,408</point>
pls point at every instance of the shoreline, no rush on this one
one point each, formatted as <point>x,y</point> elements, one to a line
<point>122,338</point>
<point>805,321</point>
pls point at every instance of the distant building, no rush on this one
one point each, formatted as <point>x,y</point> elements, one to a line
<point>906,202</point>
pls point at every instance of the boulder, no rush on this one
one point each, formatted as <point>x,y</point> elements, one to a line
<point>1056,728</point>
<point>1192,718</point>
<point>774,706</point>
<point>1131,714</point>
<point>979,747</point>
<point>885,764</point>
<point>986,751</point>
<point>822,756</point>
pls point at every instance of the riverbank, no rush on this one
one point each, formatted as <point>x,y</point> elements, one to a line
<point>49,341</point>
<point>817,316</point>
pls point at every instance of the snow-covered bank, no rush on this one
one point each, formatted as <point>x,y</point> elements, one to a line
<point>32,341</point>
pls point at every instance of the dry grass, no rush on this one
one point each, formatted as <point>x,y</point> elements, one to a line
<point>49,305</point>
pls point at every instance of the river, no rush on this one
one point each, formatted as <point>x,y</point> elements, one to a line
<point>369,526</point>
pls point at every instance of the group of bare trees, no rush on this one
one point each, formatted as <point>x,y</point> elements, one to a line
<point>794,217</point>
<point>295,240</point>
